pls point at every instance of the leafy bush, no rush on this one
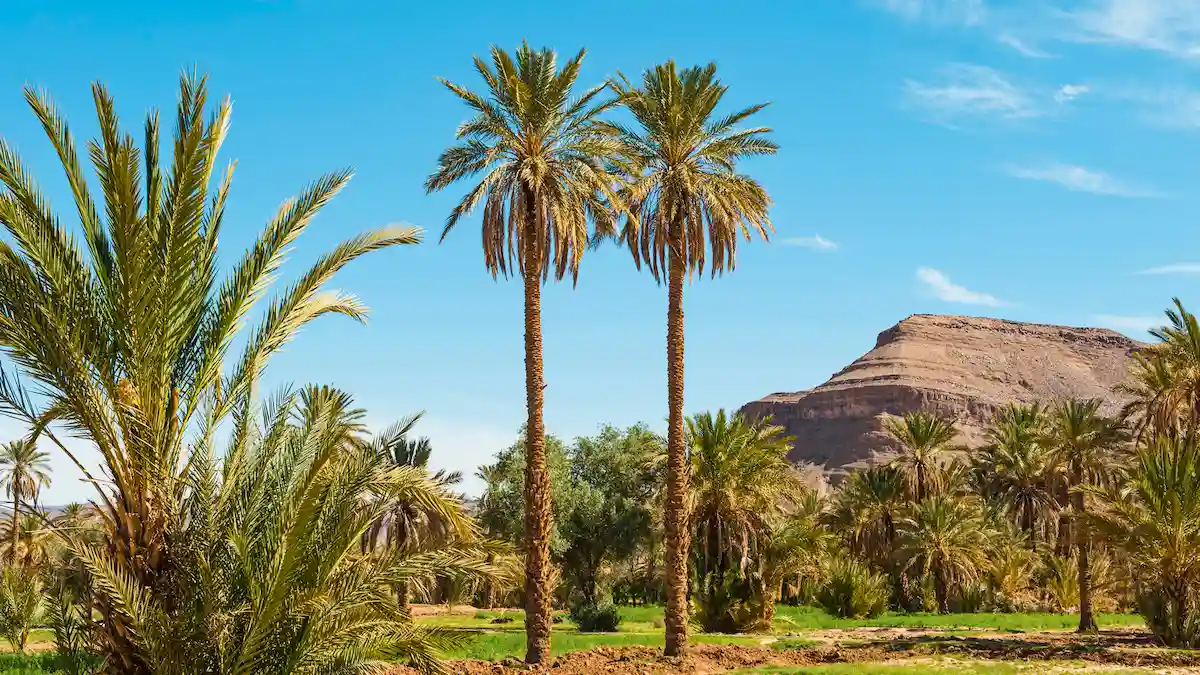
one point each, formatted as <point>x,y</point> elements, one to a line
<point>853,591</point>
<point>593,617</point>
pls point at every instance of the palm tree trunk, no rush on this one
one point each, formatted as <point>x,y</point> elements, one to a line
<point>941,589</point>
<point>537,479</point>
<point>1087,621</point>
<point>676,619</point>
<point>12,551</point>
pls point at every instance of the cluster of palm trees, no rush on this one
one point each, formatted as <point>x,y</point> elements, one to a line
<point>554,176</point>
<point>282,543</point>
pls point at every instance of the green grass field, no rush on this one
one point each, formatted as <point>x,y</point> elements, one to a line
<point>643,626</point>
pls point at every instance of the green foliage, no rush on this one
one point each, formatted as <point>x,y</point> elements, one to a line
<point>501,508</point>
<point>615,475</point>
<point>66,618</point>
<point>1154,519</point>
<point>741,479</point>
<point>591,617</point>
<point>22,604</point>
<point>853,591</point>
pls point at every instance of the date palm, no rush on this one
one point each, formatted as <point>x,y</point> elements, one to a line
<point>1018,469</point>
<point>946,539</point>
<point>537,155</point>
<point>126,331</point>
<point>922,438</point>
<point>1164,387</point>
<point>1089,446</point>
<point>271,577</point>
<point>1154,517</point>
<point>407,525</point>
<point>24,470</point>
<point>684,196</point>
<point>741,481</point>
<point>865,511</point>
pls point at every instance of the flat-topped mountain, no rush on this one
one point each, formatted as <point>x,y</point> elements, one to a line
<point>964,367</point>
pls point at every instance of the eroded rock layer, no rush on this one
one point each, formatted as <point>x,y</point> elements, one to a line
<point>965,367</point>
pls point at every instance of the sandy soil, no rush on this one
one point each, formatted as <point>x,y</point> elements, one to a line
<point>1109,649</point>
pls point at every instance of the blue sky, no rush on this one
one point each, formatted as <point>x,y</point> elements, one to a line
<point>1030,160</point>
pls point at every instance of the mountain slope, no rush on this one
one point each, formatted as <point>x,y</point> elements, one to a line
<point>965,367</point>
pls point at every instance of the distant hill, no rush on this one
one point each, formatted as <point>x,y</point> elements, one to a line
<point>964,367</point>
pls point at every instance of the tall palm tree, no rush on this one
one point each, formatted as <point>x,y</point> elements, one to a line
<point>1017,468</point>
<point>24,470</point>
<point>126,332</point>
<point>684,195</point>
<point>922,438</point>
<point>1089,445</point>
<point>539,154</point>
<point>947,539</point>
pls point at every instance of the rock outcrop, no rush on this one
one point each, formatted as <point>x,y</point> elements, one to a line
<point>964,367</point>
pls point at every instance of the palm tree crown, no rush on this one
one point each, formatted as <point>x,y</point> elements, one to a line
<point>24,470</point>
<point>684,193</point>
<point>922,437</point>
<point>539,153</point>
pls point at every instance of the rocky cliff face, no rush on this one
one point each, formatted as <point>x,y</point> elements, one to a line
<point>964,367</point>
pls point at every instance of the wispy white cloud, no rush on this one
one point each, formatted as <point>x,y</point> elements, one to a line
<point>971,90</point>
<point>1022,47</point>
<point>816,242</point>
<point>959,12</point>
<point>1136,325</point>
<point>1081,179</point>
<point>1170,26</point>
<point>1070,92</point>
<point>944,289</point>
<point>1175,268</point>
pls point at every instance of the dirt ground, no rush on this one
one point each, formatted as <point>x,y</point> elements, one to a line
<point>1111,648</point>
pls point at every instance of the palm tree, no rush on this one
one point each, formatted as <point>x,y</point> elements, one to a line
<point>407,525</point>
<point>540,155</point>
<point>273,578</point>
<point>922,438</point>
<point>24,470</point>
<point>1088,445</point>
<point>1164,386</point>
<point>684,195</point>
<point>741,481</point>
<point>865,511</point>
<point>1017,468</point>
<point>946,538</point>
<point>1154,517</point>
<point>126,332</point>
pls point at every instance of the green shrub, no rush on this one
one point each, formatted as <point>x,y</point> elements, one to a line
<point>596,618</point>
<point>853,591</point>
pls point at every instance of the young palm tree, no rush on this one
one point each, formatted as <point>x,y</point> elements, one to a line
<point>946,538</point>
<point>1154,517</point>
<point>741,481</point>
<point>922,438</point>
<point>24,470</point>
<point>539,155</point>
<point>407,525</point>
<point>684,195</point>
<point>1018,470</point>
<point>272,578</point>
<point>126,333</point>
<point>1088,445</point>
<point>865,511</point>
